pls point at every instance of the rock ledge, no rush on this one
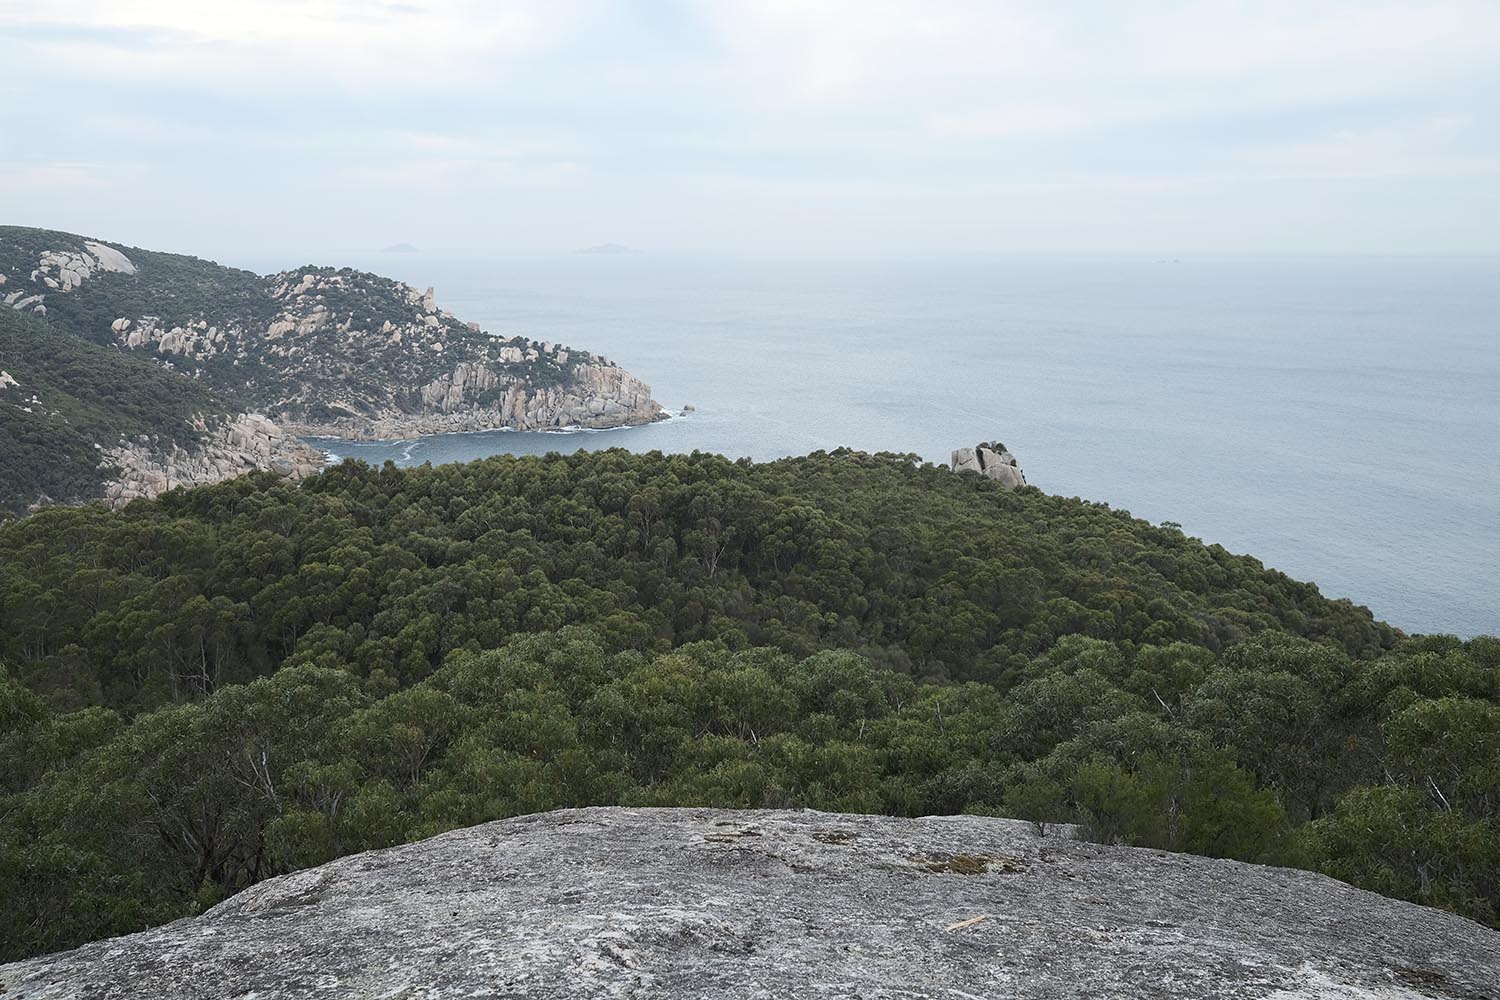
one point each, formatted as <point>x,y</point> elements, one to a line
<point>715,903</point>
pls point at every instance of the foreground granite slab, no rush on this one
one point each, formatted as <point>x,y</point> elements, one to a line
<point>709,903</point>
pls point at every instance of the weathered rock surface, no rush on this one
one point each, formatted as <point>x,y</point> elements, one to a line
<point>595,396</point>
<point>229,448</point>
<point>395,365</point>
<point>685,903</point>
<point>991,460</point>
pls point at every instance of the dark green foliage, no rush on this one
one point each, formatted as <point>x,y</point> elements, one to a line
<point>292,674</point>
<point>109,828</point>
<point>85,394</point>
<point>940,576</point>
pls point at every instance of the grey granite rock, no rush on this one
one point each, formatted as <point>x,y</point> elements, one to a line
<point>993,461</point>
<point>230,447</point>
<point>686,903</point>
<point>595,396</point>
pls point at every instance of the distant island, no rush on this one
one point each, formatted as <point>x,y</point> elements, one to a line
<point>609,249</point>
<point>129,372</point>
<point>400,248</point>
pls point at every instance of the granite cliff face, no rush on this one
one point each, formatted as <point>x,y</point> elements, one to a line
<point>316,350</point>
<point>994,461</point>
<point>476,397</point>
<point>148,466</point>
<point>682,903</point>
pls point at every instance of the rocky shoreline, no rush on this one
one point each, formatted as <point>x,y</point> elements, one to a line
<point>251,441</point>
<point>229,448</point>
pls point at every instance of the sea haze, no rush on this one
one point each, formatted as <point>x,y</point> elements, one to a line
<point>1338,417</point>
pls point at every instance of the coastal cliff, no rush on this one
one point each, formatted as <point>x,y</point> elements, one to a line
<point>475,397</point>
<point>682,903</point>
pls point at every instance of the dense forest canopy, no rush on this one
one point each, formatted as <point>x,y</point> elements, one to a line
<point>228,683</point>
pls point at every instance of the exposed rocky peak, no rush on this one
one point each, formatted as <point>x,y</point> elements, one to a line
<point>63,270</point>
<point>992,460</point>
<point>683,903</point>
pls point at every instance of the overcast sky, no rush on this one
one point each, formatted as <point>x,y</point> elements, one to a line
<point>781,126</point>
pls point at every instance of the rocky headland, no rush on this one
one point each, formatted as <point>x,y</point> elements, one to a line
<point>310,352</point>
<point>680,903</point>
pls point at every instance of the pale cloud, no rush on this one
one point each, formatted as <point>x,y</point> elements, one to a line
<point>58,178</point>
<point>1030,119</point>
<point>849,50</point>
<point>1219,38</point>
<point>1422,149</point>
<point>222,44</point>
<point>781,122</point>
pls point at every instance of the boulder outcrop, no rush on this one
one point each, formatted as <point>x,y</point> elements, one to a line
<point>681,903</point>
<point>992,460</point>
<point>229,447</point>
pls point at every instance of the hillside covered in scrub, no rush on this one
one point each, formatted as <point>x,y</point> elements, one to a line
<point>63,401</point>
<point>233,682</point>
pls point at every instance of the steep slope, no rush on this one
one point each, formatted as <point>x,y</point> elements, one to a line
<point>317,350</point>
<point>81,421</point>
<point>685,903</point>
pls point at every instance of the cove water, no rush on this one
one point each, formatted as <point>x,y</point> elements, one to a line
<point>1337,417</point>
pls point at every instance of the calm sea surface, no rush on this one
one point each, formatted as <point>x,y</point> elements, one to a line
<point>1339,418</point>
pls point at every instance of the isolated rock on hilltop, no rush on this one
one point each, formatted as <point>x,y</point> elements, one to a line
<point>683,903</point>
<point>993,460</point>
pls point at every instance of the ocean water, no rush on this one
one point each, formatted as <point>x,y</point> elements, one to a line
<point>1337,417</point>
